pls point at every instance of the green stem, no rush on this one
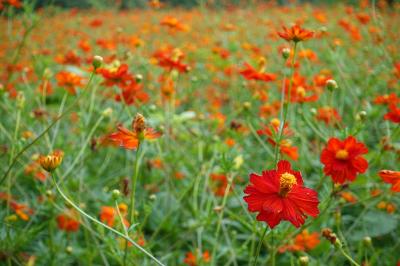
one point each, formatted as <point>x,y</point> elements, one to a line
<point>348,256</point>
<point>70,202</point>
<point>133,192</point>
<point>69,109</point>
<point>259,245</point>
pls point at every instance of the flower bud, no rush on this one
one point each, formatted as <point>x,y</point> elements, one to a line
<point>138,78</point>
<point>367,241</point>
<point>20,100</point>
<point>97,61</point>
<point>304,260</point>
<point>361,116</point>
<point>153,197</point>
<point>51,162</point>
<point>69,250</point>
<point>331,85</point>
<point>115,194</point>
<point>107,112</point>
<point>285,53</point>
<point>247,105</point>
<point>139,124</point>
<point>47,73</point>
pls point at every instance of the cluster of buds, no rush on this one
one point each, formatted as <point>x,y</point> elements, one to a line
<point>52,161</point>
<point>331,237</point>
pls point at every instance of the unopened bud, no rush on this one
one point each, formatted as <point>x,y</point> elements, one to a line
<point>367,241</point>
<point>69,249</point>
<point>304,260</point>
<point>313,111</point>
<point>107,112</point>
<point>115,194</point>
<point>139,124</point>
<point>247,105</point>
<point>361,116</point>
<point>97,61</point>
<point>153,197</point>
<point>47,73</point>
<point>138,78</point>
<point>20,100</point>
<point>285,53</point>
<point>331,85</point>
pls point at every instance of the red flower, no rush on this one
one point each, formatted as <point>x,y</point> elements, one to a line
<point>295,34</point>
<point>343,160</point>
<point>116,76</point>
<point>393,114</point>
<point>391,177</point>
<point>280,195</point>
<point>192,260</point>
<point>251,73</point>
<point>130,139</point>
<point>68,221</point>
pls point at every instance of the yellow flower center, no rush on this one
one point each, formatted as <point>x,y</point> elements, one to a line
<point>342,155</point>
<point>287,181</point>
<point>275,122</point>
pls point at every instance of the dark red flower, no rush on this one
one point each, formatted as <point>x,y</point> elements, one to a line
<point>280,195</point>
<point>343,160</point>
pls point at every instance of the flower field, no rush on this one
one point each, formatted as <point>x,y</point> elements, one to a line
<point>256,134</point>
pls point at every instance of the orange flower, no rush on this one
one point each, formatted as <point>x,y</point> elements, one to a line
<point>68,221</point>
<point>108,214</point>
<point>192,260</point>
<point>391,177</point>
<point>52,161</point>
<point>393,114</point>
<point>220,183</point>
<point>131,139</point>
<point>328,115</point>
<point>349,197</point>
<point>174,23</point>
<point>69,80</point>
<point>303,242</point>
<point>295,34</point>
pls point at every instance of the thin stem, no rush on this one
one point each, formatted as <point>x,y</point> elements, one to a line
<point>70,108</point>
<point>259,245</point>
<point>102,224</point>
<point>133,192</point>
<point>348,256</point>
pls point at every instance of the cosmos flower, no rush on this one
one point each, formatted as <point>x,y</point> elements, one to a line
<point>393,115</point>
<point>391,177</point>
<point>295,34</point>
<point>250,73</point>
<point>192,260</point>
<point>302,242</point>
<point>69,81</point>
<point>279,194</point>
<point>131,139</point>
<point>68,221</point>
<point>343,159</point>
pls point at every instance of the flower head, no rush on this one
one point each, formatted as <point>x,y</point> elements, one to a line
<point>279,194</point>
<point>391,177</point>
<point>343,159</point>
<point>295,34</point>
<point>131,139</point>
<point>51,161</point>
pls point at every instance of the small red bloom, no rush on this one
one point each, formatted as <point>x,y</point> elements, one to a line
<point>391,177</point>
<point>68,221</point>
<point>130,139</point>
<point>393,114</point>
<point>280,195</point>
<point>251,73</point>
<point>343,160</point>
<point>295,34</point>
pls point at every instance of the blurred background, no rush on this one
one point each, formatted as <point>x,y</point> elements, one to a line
<point>124,4</point>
